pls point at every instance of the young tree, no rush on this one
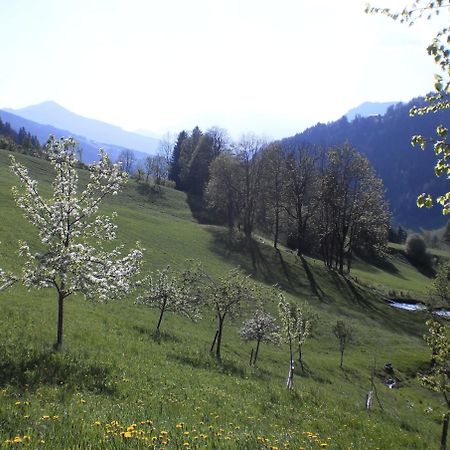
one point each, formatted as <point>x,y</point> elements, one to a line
<point>288,332</point>
<point>6,280</point>
<point>169,291</point>
<point>68,225</point>
<point>344,334</point>
<point>225,296</point>
<point>305,320</point>
<point>261,327</point>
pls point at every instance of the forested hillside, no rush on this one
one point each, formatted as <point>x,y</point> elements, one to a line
<point>385,140</point>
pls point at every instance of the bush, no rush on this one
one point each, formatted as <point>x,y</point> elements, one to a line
<point>416,250</point>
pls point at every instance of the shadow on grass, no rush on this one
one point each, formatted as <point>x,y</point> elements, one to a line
<point>263,262</point>
<point>380,263</point>
<point>206,361</point>
<point>158,337</point>
<point>152,192</point>
<point>199,211</point>
<point>28,368</point>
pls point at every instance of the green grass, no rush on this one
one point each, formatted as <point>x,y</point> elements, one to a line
<point>114,373</point>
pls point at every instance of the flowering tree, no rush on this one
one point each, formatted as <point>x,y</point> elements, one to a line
<point>288,332</point>
<point>169,291</point>
<point>68,225</point>
<point>262,327</point>
<point>305,320</point>
<point>6,279</point>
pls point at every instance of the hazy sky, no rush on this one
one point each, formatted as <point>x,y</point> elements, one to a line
<point>268,66</point>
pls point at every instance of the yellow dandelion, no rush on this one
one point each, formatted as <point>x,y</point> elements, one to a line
<point>126,434</point>
<point>17,440</point>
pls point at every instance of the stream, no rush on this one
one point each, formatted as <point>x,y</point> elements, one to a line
<point>416,306</point>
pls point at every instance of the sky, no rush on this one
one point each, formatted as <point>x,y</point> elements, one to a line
<point>270,67</point>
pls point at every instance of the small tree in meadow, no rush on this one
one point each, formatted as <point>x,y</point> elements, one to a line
<point>344,334</point>
<point>169,291</point>
<point>71,232</point>
<point>288,332</point>
<point>6,280</point>
<point>305,320</point>
<point>261,327</point>
<point>225,296</point>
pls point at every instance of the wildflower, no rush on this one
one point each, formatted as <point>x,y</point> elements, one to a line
<point>126,434</point>
<point>17,440</point>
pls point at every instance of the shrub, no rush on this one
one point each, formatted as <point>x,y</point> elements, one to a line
<point>416,250</point>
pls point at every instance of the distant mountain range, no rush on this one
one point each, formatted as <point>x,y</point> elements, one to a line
<point>50,118</point>
<point>50,113</point>
<point>368,109</point>
<point>385,141</point>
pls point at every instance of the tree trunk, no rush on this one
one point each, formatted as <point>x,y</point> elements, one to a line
<point>59,336</point>
<point>277,226</point>
<point>444,432</point>
<point>214,342</point>
<point>219,339</point>
<point>161,316</point>
<point>256,352</point>
<point>300,357</point>
<point>342,359</point>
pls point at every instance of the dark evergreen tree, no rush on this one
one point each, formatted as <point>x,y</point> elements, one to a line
<point>174,169</point>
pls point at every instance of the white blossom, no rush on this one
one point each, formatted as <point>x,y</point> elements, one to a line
<point>169,291</point>
<point>71,232</point>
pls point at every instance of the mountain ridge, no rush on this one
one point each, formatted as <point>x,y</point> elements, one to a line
<point>52,114</point>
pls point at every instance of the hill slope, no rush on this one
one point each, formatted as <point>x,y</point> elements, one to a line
<point>118,386</point>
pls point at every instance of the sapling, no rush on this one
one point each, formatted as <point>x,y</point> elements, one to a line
<point>170,291</point>
<point>344,334</point>
<point>261,327</point>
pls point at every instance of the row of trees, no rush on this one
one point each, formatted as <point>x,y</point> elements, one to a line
<point>192,290</point>
<point>325,201</point>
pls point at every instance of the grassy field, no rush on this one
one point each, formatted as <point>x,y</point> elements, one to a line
<point>116,385</point>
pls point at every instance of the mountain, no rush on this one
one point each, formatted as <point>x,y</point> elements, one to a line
<point>55,115</point>
<point>385,141</point>
<point>367,109</point>
<point>42,132</point>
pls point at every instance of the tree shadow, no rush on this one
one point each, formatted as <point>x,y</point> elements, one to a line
<point>200,212</point>
<point>27,368</point>
<point>263,262</point>
<point>209,362</point>
<point>158,337</point>
<point>379,262</point>
<point>312,282</point>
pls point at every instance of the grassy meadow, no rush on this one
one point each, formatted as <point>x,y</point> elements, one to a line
<point>117,385</point>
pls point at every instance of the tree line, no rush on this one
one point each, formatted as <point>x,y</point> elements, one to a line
<point>18,141</point>
<point>325,201</point>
